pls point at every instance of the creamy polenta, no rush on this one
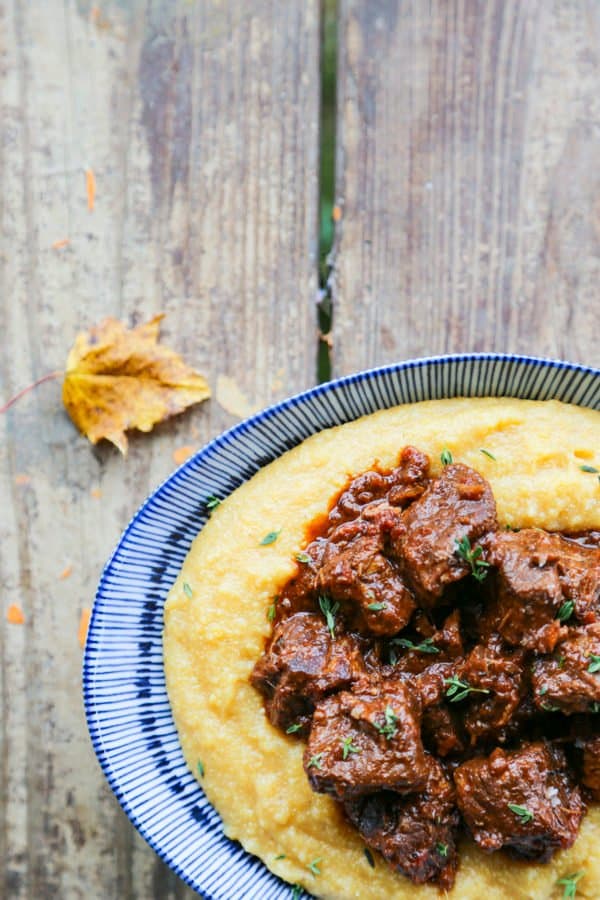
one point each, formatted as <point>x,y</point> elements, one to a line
<point>216,626</point>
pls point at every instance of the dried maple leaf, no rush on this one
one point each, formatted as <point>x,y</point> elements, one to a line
<point>118,379</point>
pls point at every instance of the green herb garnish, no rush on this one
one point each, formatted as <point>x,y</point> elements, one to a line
<point>524,814</point>
<point>281,856</point>
<point>426,646</point>
<point>487,453</point>
<point>566,610</point>
<point>389,729</point>
<point>458,690</point>
<point>376,607</point>
<point>594,665</point>
<point>314,866</point>
<point>369,857</point>
<point>329,610</point>
<point>569,882</point>
<point>187,590</point>
<point>270,538</point>
<point>293,728</point>
<point>595,706</point>
<point>446,457</point>
<point>272,610</point>
<point>591,469</point>
<point>348,748</point>
<point>200,768</point>
<point>472,556</point>
<point>302,558</point>
<point>297,891</point>
<point>315,762</point>
<point>442,849</point>
<point>212,503</point>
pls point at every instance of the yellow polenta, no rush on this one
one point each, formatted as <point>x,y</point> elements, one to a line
<point>253,772</point>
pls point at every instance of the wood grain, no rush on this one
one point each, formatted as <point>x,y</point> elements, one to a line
<point>199,121</point>
<point>468,143</point>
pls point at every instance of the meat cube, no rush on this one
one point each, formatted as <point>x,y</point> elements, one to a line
<point>570,680</point>
<point>591,766</point>
<point>498,679</point>
<point>456,510</point>
<point>415,834</point>
<point>402,485</point>
<point>302,664</point>
<point>415,654</point>
<point>442,731</point>
<point>523,800</point>
<point>369,586</point>
<point>542,579</point>
<point>300,593</point>
<point>365,740</point>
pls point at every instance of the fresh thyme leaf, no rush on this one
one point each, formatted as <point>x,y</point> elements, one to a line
<point>303,557</point>
<point>566,610</point>
<point>187,590</point>
<point>281,856</point>
<point>348,748</point>
<point>212,502</point>
<point>472,556</point>
<point>487,453</point>
<point>329,610</point>
<point>508,527</point>
<point>314,866</point>
<point>594,665</point>
<point>442,849</point>
<point>542,691</point>
<point>458,690</point>
<point>369,857</point>
<point>376,607</point>
<point>591,469</point>
<point>315,762</point>
<point>270,538</point>
<point>297,891</point>
<point>389,729</point>
<point>525,815</point>
<point>569,882</point>
<point>549,707</point>
<point>595,706</point>
<point>293,728</point>
<point>272,611</point>
<point>446,457</point>
<point>200,768</point>
<point>426,646</point>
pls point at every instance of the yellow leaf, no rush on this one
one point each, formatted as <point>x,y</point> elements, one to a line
<point>118,379</point>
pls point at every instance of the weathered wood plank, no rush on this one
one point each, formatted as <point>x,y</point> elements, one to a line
<point>200,123</point>
<point>468,139</point>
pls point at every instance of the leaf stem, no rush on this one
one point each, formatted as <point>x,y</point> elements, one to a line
<point>29,387</point>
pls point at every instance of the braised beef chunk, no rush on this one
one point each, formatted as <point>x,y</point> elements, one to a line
<point>301,666</point>
<point>415,654</point>
<point>438,666</point>
<point>457,509</point>
<point>415,834</point>
<point>523,800</point>
<point>368,584</point>
<point>591,766</point>
<point>401,486</point>
<point>496,679</point>
<point>366,740</point>
<point>300,593</point>
<point>442,731</point>
<point>569,680</point>
<point>543,580</point>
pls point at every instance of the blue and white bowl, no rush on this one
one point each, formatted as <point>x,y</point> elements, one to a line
<point>126,702</point>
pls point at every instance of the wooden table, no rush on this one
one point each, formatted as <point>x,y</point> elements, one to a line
<point>468,218</point>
